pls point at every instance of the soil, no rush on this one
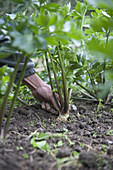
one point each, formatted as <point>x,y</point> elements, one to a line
<point>84,141</point>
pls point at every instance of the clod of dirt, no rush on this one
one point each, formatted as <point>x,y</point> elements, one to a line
<point>23,111</point>
<point>64,152</point>
<point>88,159</point>
<point>110,151</point>
<point>82,125</point>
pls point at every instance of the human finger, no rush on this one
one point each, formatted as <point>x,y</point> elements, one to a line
<point>53,102</point>
<point>46,106</point>
<point>43,105</point>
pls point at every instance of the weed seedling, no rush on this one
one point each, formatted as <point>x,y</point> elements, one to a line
<point>99,104</point>
<point>104,148</point>
<point>43,123</point>
<point>59,143</point>
<point>19,148</point>
<point>110,132</point>
<point>32,123</point>
<point>82,145</point>
<point>95,134</point>
<point>75,154</point>
<point>25,156</point>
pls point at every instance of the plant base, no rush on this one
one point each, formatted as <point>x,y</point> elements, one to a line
<point>62,118</point>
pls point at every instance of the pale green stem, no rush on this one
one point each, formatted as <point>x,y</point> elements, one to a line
<point>50,79</point>
<point>91,93</point>
<point>56,80</point>
<point>65,90</point>
<point>14,98</point>
<point>3,107</point>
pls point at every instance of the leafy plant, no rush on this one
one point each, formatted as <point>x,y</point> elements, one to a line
<point>39,141</point>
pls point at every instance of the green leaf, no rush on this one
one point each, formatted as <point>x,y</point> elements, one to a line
<point>6,51</point>
<point>74,65</point>
<point>27,42</point>
<point>79,73</point>
<point>52,19</point>
<point>60,36</point>
<point>43,145</point>
<point>60,143</point>
<point>107,4</point>
<point>42,136</point>
<point>25,156</point>
<point>75,154</point>
<point>52,7</point>
<point>101,24</point>
<point>80,8</point>
<point>51,41</point>
<point>99,49</point>
<point>77,35</point>
<point>5,79</point>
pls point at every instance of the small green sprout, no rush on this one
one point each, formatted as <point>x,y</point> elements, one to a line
<point>25,156</point>
<point>82,145</point>
<point>104,148</point>
<point>60,143</point>
<point>19,148</point>
<point>110,132</point>
<point>99,104</point>
<point>32,123</point>
<point>95,134</point>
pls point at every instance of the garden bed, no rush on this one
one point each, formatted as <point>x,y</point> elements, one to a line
<point>85,141</point>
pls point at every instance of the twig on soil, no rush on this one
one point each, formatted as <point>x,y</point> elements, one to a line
<point>22,101</point>
<point>17,133</point>
<point>89,146</point>
<point>32,134</point>
<point>53,155</point>
<point>37,116</point>
<point>31,158</point>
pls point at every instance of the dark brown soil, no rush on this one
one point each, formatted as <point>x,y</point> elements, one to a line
<point>84,142</point>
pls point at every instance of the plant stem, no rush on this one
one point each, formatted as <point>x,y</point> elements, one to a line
<point>92,81</point>
<point>91,93</point>
<point>49,73</point>
<point>2,110</point>
<point>14,98</point>
<point>104,68</point>
<point>65,90</point>
<point>56,80</point>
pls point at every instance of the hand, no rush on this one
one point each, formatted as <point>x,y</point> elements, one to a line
<point>45,95</point>
<point>42,92</point>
